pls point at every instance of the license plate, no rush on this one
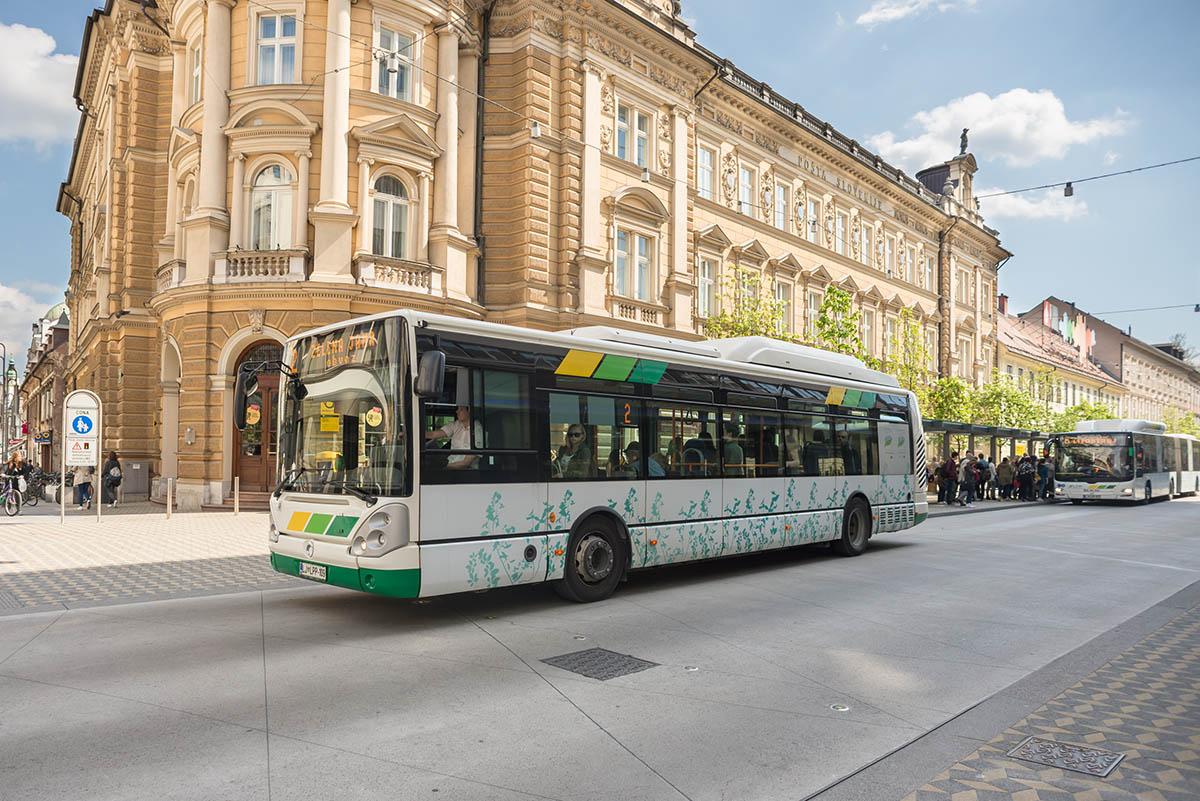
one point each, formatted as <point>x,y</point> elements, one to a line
<point>314,572</point>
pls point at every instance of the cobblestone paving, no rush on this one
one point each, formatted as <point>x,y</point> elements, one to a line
<point>134,556</point>
<point>1145,704</point>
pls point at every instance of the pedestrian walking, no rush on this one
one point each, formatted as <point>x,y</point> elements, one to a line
<point>1004,476</point>
<point>110,479</point>
<point>83,486</point>
<point>968,476</point>
<point>950,478</point>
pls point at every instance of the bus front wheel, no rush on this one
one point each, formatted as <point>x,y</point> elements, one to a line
<point>595,562</point>
<point>856,529</point>
<point>1077,501</point>
<point>1146,493</point>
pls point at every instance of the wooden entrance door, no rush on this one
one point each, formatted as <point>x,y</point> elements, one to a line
<point>255,451</point>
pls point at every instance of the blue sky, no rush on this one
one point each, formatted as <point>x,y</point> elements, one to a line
<point>1051,90</point>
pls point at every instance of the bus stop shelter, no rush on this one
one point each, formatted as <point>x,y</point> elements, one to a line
<point>944,436</point>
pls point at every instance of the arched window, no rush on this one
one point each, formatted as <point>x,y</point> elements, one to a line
<point>390,234</point>
<point>271,209</point>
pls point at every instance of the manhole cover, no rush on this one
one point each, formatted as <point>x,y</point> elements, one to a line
<point>10,601</point>
<point>600,663</point>
<point>1068,756</point>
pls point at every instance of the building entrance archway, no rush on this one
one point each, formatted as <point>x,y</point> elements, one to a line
<point>255,449</point>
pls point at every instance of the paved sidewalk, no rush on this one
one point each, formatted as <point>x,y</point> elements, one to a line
<point>131,556</point>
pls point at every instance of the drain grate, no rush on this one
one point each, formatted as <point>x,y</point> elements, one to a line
<point>1068,756</point>
<point>600,663</point>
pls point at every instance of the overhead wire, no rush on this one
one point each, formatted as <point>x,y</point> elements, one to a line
<point>1090,178</point>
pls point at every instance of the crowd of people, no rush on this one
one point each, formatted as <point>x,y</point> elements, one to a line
<point>975,477</point>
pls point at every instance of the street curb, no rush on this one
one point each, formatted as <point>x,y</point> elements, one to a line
<point>912,764</point>
<point>1003,508</point>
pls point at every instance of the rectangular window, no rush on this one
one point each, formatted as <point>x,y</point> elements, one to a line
<point>684,444</point>
<point>783,297</point>
<point>634,270</point>
<point>868,331</point>
<point>889,335</point>
<point>750,444</point>
<point>927,274</point>
<point>633,135</point>
<point>800,449</point>
<point>706,285</point>
<point>196,81</point>
<point>814,310</point>
<point>394,63</point>
<point>910,258</point>
<point>814,221</point>
<point>781,207</point>
<point>857,445</point>
<point>276,49</point>
<point>595,437</point>
<point>839,233</point>
<point>866,234</point>
<point>889,255</point>
<point>746,190</point>
<point>966,357</point>
<point>705,176</point>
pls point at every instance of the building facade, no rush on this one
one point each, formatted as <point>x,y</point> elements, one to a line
<point>43,388</point>
<point>1057,373</point>
<point>1156,379</point>
<point>269,167</point>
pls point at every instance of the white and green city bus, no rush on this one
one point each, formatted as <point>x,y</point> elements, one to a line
<point>1125,460</point>
<point>422,454</point>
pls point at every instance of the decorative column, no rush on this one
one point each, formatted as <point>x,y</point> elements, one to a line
<point>364,199</point>
<point>332,217</point>
<point>208,228</point>
<point>681,288</point>
<point>425,180</point>
<point>236,210</point>
<point>300,226</point>
<point>166,245</point>
<point>591,261</point>
<point>448,247</point>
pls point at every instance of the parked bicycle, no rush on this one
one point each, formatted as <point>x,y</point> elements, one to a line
<point>34,487</point>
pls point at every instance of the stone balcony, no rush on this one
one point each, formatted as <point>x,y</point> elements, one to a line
<point>260,266</point>
<point>399,274</point>
<point>169,274</point>
<point>636,311</point>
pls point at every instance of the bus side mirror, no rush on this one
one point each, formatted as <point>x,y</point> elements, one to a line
<point>431,374</point>
<point>246,385</point>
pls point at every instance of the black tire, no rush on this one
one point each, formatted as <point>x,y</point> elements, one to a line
<point>12,503</point>
<point>31,498</point>
<point>1147,496</point>
<point>856,528</point>
<point>1171,490</point>
<point>595,562</point>
<point>1077,501</point>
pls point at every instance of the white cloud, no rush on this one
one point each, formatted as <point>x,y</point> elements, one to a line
<point>1047,205</point>
<point>1020,126</point>
<point>18,312</point>
<point>884,11</point>
<point>35,88</point>
<point>1110,158</point>
<point>839,19</point>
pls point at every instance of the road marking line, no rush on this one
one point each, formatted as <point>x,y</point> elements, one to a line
<point>1107,558</point>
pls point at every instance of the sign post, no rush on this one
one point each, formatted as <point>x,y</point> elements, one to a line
<point>82,423</point>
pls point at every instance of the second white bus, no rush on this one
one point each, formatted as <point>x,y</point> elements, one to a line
<point>1125,460</point>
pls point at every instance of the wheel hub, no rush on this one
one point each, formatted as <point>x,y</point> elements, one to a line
<point>594,558</point>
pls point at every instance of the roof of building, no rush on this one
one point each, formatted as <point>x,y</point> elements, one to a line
<point>1035,341</point>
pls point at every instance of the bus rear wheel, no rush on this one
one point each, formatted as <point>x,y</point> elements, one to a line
<point>1077,501</point>
<point>856,529</point>
<point>1146,493</point>
<point>595,562</point>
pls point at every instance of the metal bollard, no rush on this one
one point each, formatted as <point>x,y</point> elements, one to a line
<point>170,487</point>
<point>237,494</point>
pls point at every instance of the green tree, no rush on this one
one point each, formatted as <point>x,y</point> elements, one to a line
<point>908,357</point>
<point>747,310</point>
<point>1180,421</point>
<point>947,398</point>
<point>1001,402</point>
<point>838,327</point>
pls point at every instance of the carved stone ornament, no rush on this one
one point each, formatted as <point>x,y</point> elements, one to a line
<point>856,236</point>
<point>878,249</point>
<point>664,158</point>
<point>256,320</point>
<point>801,206</point>
<point>606,138</point>
<point>729,177</point>
<point>664,125</point>
<point>829,225</point>
<point>606,98</point>
<point>767,194</point>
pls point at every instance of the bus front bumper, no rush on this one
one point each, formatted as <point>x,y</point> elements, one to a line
<point>381,576</point>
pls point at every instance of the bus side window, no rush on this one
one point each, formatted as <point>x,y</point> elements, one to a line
<point>609,427</point>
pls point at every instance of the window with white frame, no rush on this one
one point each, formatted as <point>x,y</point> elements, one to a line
<point>910,258</point>
<point>706,159</point>
<point>271,209</point>
<point>839,232</point>
<point>276,47</point>
<point>889,255</point>
<point>393,63</point>
<point>927,274</point>
<point>634,271</point>
<point>196,73</point>
<point>633,135</point>
<point>985,300</point>
<point>783,297</point>
<point>814,311</point>
<point>889,335</point>
<point>746,177</point>
<point>781,207</point>
<point>966,357</point>
<point>868,330</point>
<point>866,239</point>
<point>931,347</point>
<point>389,226</point>
<point>814,221</point>
<point>706,286</point>
<point>962,288</point>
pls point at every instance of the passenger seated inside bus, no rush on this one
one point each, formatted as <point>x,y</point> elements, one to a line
<point>700,455</point>
<point>574,458</point>
<point>634,467</point>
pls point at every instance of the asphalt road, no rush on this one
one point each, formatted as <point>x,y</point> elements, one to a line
<point>775,674</point>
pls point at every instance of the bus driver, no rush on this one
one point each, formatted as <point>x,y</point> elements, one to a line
<point>458,432</point>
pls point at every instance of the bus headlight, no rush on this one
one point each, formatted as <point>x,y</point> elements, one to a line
<point>273,534</point>
<point>383,532</point>
<point>1127,491</point>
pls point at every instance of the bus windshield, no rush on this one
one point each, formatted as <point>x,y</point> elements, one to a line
<point>344,422</point>
<point>1092,457</point>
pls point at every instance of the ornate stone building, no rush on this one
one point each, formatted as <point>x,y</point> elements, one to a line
<point>43,388</point>
<point>246,169</point>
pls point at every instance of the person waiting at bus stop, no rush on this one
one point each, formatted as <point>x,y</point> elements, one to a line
<point>1004,477</point>
<point>950,477</point>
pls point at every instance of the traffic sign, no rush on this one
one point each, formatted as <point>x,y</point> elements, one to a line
<point>82,423</point>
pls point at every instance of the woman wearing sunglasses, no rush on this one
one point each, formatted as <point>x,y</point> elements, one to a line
<point>574,459</point>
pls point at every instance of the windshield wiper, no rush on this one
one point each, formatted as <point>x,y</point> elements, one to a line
<point>360,494</point>
<point>287,482</point>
